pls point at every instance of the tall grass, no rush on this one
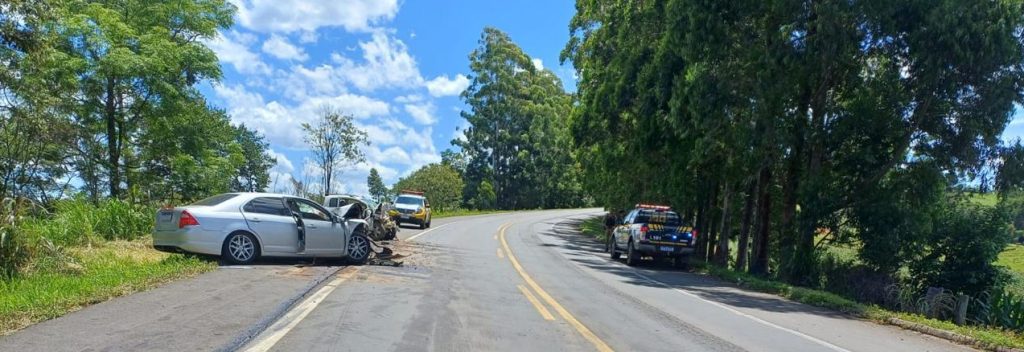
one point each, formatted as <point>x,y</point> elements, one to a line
<point>79,222</point>
<point>15,248</point>
<point>78,253</point>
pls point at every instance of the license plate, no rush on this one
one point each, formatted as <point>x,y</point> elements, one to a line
<point>666,248</point>
<point>405,216</point>
<point>166,216</point>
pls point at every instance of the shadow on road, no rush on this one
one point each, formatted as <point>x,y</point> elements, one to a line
<point>589,252</point>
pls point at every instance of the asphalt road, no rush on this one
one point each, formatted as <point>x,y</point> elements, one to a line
<point>507,282</point>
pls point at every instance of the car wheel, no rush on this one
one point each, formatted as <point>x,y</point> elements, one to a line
<point>240,248</point>
<point>358,249</point>
<point>428,223</point>
<point>423,224</point>
<point>611,249</point>
<point>632,257</point>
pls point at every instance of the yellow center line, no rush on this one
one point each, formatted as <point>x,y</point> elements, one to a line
<point>536,303</point>
<point>582,329</point>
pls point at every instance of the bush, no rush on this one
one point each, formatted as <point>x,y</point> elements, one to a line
<point>853,280</point>
<point>15,247</point>
<point>964,244</point>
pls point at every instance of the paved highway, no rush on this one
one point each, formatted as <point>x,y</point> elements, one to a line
<point>522,281</point>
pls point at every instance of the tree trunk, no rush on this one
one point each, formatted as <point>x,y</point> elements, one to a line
<point>748,211</point>
<point>760,264</point>
<point>702,213</point>
<point>113,147</point>
<point>711,224</point>
<point>722,256</point>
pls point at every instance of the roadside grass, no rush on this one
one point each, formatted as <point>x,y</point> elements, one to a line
<point>87,275</point>
<point>991,337</point>
<point>593,227</point>
<point>985,199</point>
<point>1012,258</point>
<point>464,212</point>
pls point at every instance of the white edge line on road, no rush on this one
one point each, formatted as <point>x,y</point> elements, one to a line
<point>730,309</point>
<point>427,231</point>
<point>740,313</point>
<point>279,329</point>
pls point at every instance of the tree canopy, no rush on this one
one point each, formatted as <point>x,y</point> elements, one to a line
<point>517,140</point>
<point>820,113</point>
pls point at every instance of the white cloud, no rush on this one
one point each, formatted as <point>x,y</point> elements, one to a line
<point>537,63</point>
<point>282,164</point>
<point>407,99</point>
<point>358,106</point>
<point>279,47</point>
<point>441,86</point>
<point>391,155</point>
<point>280,122</point>
<point>386,64</point>
<point>300,82</point>
<point>306,15</point>
<point>233,48</point>
<point>422,113</point>
<point>308,37</point>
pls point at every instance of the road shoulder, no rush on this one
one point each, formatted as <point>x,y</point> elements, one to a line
<point>203,313</point>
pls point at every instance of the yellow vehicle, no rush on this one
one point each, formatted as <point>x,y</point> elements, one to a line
<point>411,207</point>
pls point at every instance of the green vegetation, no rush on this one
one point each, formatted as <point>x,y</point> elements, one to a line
<point>984,199</point>
<point>792,132</point>
<point>81,254</point>
<point>463,212</point>
<point>376,187</point>
<point>593,227</point>
<point>517,152</point>
<point>440,183</point>
<point>89,275</point>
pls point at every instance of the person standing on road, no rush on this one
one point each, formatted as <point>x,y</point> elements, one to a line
<point>610,220</point>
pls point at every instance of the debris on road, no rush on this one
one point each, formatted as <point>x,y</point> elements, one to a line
<point>385,257</point>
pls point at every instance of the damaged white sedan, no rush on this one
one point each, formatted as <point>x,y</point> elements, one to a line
<point>241,227</point>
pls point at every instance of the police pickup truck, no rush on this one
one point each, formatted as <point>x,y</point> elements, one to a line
<point>653,231</point>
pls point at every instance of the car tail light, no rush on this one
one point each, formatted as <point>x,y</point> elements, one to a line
<point>643,229</point>
<point>694,232</point>
<point>187,220</point>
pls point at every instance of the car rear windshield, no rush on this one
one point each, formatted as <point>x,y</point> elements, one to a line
<point>217,199</point>
<point>662,217</point>
<point>409,200</point>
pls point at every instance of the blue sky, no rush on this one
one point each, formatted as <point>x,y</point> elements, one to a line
<point>397,67</point>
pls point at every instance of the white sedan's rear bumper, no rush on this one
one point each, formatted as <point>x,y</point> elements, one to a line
<point>192,239</point>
